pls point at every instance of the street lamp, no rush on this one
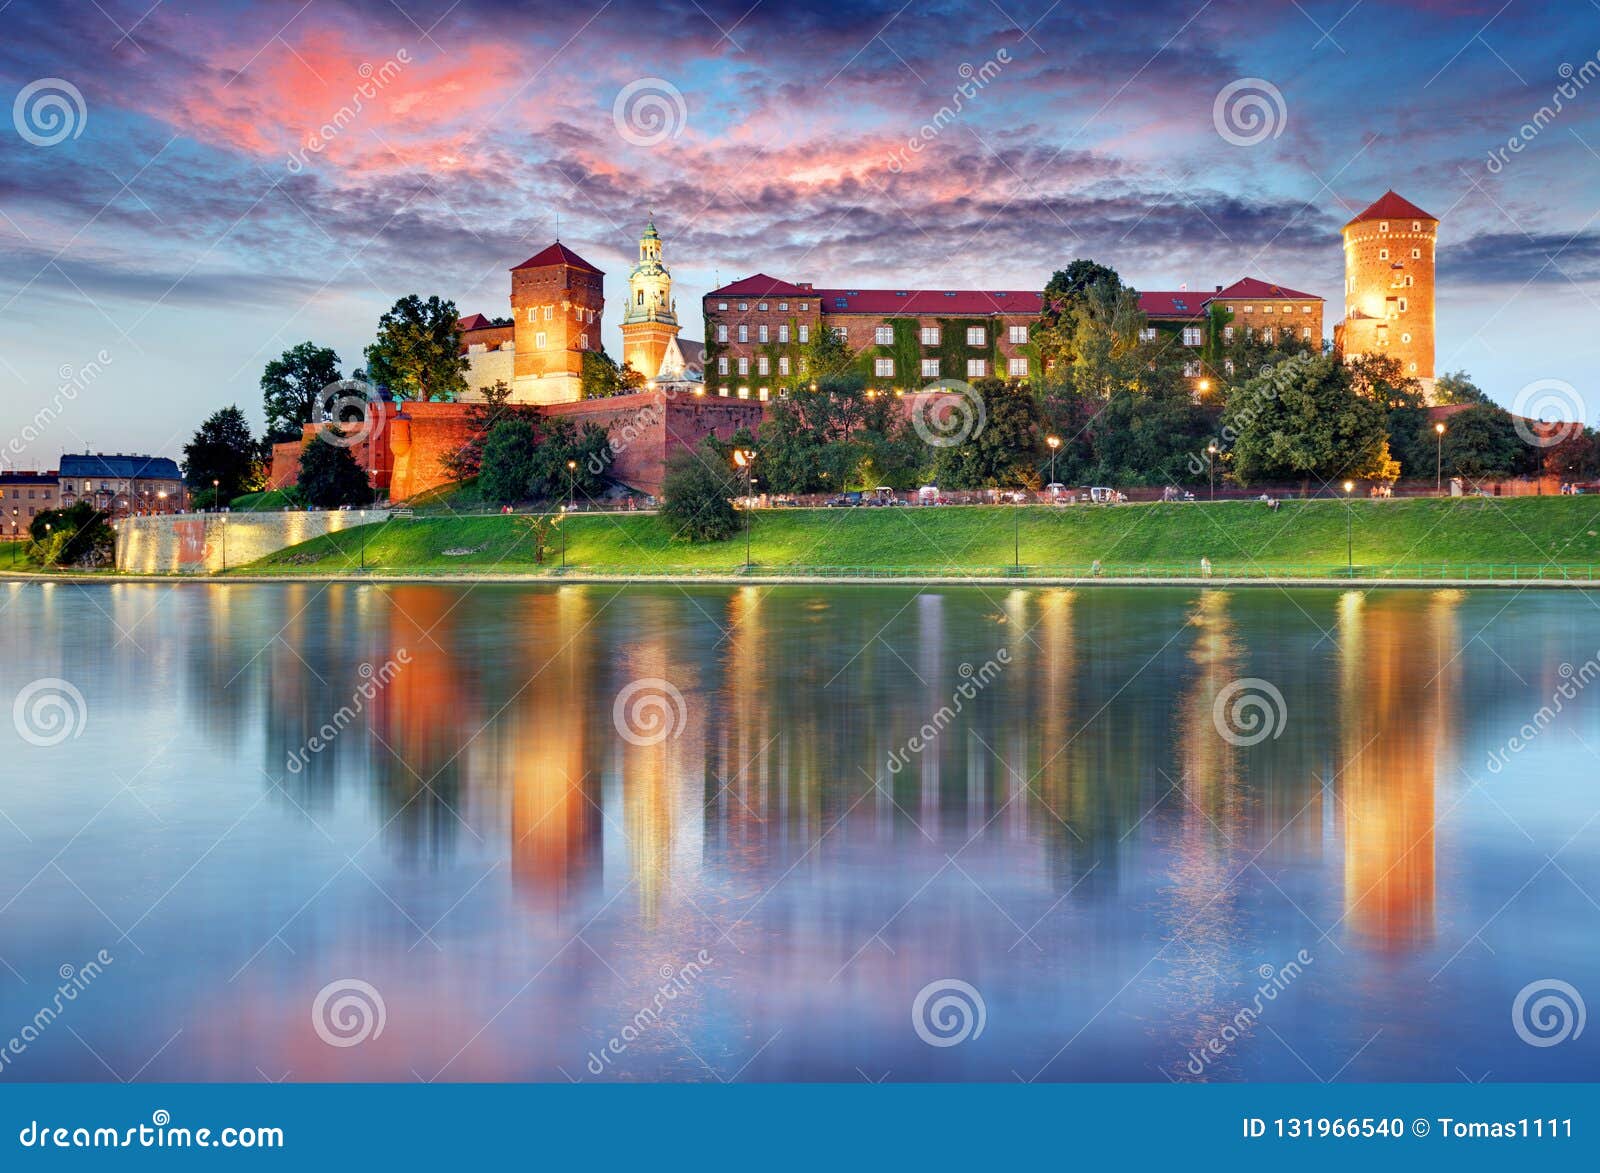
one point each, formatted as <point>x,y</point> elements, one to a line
<point>1054,442</point>
<point>1438,459</point>
<point>216,495</point>
<point>1349,545</point>
<point>572,485</point>
<point>745,458</point>
<point>14,538</point>
<point>1211,472</point>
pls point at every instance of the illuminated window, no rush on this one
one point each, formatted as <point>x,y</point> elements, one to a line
<point>722,333</point>
<point>540,341</point>
<point>883,368</point>
<point>930,336</point>
<point>783,364</point>
<point>977,336</point>
<point>804,332</point>
<point>1017,367</point>
<point>1018,335</point>
<point>930,368</point>
<point>763,365</point>
<point>883,335</point>
<point>977,368</point>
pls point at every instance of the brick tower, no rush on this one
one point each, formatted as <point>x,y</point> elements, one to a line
<point>651,321</point>
<point>557,299</point>
<point>1388,287</point>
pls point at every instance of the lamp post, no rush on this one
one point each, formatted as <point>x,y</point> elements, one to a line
<point>1438,460</point>
<point>572,485</point>
<point>1349,542</point>
<point>1211,471</point>
<point>216,495</point>
<point>1054,442</point>
<point>14,536</point>
<point>745,458</point>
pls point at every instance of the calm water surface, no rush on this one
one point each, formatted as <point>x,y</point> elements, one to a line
<point>809,805</point>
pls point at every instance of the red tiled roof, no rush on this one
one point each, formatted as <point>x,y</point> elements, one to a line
<point>931,303</point>
<point>556,254</point>
<point>1179,304</point>
<point>761,285</point>
<point>1251,289</point>
<point>1390,206</point>
<point>473,322</point>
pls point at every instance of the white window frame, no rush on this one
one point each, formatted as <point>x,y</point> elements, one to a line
<point>883,368</point>
<point>803,333</point>
<point>744,364</point>
<point>930,368</point>
<point>977,336</point>
<point>744,332</point>
<point>1018,335</point>
<point>977,368</point>
<point>541,340</point>
<point>722,332</point>
<point>1017,368</point>
<point>930,336</point>
<point>722,364</point>
<point>763,365</point>
<point>783,332</point>
<point>883,335</point>
<point>1192,336</point>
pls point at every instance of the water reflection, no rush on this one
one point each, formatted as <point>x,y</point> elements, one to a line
<point>861,792</point>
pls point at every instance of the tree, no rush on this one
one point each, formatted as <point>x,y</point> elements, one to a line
<point>568,462</point>
<point>222,450</point>
<point>483,415</point>
<point>418,351</point>
<point>1005,452</point>
<point>291,388</point>
<point>1458,387</point>
<point>602,378</point>
<point>819,440</point>
<point>697,494</point>
<point>329,474</point>
<point>78,535</point>
<point>827,356</point>
<point>1482,442</point>
<point>1148,437</point>
<point>507,462</point>
<point>1411,438</point>
<point>1305,420</point>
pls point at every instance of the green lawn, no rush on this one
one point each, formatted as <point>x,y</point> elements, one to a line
<point>269,501</point>
<point>1388,537</point>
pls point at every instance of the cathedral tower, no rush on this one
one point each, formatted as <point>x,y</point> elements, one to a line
<point>651,321</point>
<point>557,298</point>
<point>1388,287</point>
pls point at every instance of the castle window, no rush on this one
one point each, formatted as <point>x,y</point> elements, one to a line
<point>977,368</point>
<point>762,393</point>
<point>1266,333</point>
<point>1249,309</point>
<point>1416,225</point>
<point>1266,309</point>
<point>533,314</point>
<point>1305,331</point>
<point>1227,333</point>
<point>762,307</point>
<point>883,335</point>
<point>763,366</point>
<point>744,393</point>
<point>1403,305</point>
<point>722,332</point>
<point>930,336</point>
<point>783,306</point>
<point>1227,366</point>
<point>722,391</point>
<point>1018,335</point>
<point>805,332</point>
<point>883,368</point>
<point>842,334</point>
<point>1416,254</point>
<point>761,332</point>
<point>976,336</point>
<point>549,312</point>
<point>541,340</point>
<point>783,332</point>
<point>744,305</point>
<point>1413,368</point>
<point>1305,309</point>
<point>1405,338</point>
<point>1383,225</point>
<point>722,305</point>
<point>1408,280</point>
<point>1191,369</point>
<point>783,364</point>
<point>930,368</point>
<point>722,364</point>
<point>1017,367</point>
<point>744,365</point>
<point>1191,335</point>
<point>1147,334</point>
<point>583,342</point>
<point>744,332</point>
<point>1383,254</point>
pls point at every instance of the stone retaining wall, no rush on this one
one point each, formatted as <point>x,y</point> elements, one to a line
<point>204,543</point>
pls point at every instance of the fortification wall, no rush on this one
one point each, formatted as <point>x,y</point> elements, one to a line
<point>204,543</point>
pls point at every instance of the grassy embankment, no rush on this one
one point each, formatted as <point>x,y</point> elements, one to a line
<point>1437,538</point>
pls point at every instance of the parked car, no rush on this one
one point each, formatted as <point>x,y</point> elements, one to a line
<point>845,501</point>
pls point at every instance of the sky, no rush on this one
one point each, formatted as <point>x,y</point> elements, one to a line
<point>174,212</point>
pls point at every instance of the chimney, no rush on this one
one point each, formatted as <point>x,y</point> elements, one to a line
<point>1219,289</point>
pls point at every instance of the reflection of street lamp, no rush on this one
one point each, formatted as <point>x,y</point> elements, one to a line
<point>1211,475</point>
<point>1054,442</point>
<point>745,458</point>
<point>1438,460</point>
<point>1349,547</point>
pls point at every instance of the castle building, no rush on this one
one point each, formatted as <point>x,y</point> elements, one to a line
<point>907,338</point>
<point>650,324</point>
<point>557,299</point>
<point>24,494</point>
<point>121,484</point>
<point>1388,287</point>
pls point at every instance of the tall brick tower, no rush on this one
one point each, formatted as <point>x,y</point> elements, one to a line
<point>557,299</point>
<point>651,321</point>
<point>1388,286</point>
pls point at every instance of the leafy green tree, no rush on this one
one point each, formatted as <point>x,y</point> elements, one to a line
<point>1411,439</point>
<point>1482,442</point>
<point>697,494</point>
<point>1458,387</point>
<point>1305,421</point>
<point>78,535</point>
<point>417,354</point>
<point>1005,452</point>
<point>1148,437</point>
<point>817,441</point>
<point>508,462</point>
<point>329,474</point>
<point>826,357</point>
<point>291,388</point>
<point>568,462</point>
<point>482,415</point>
<point>602,378</point>
<point>223,450</point>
